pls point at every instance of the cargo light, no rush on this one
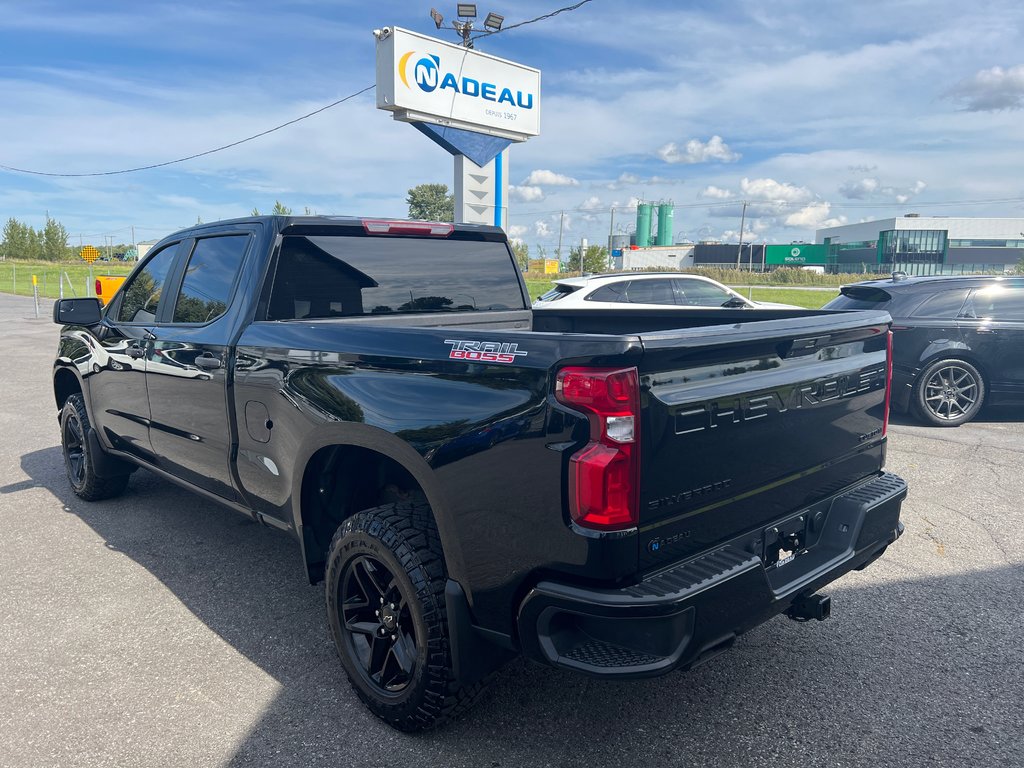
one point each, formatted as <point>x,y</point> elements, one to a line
<point>386,227</point>
<point>604,475</point>
<point>888,381</point>
<point>99,288</point>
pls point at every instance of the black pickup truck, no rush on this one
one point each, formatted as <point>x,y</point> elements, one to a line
<point>616,492</point>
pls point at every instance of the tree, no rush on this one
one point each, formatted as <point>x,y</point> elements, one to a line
<point>256,212</point>
<point>431,202</point>
<point>594,260</point>
<point>280,209</point>
<point>55,240</point>
<point>522,253</point>
<point>15,241</point>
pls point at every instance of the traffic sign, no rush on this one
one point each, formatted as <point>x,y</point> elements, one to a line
<point>89,254</point>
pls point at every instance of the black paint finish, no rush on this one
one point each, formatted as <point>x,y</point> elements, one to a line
<point>745,417</point>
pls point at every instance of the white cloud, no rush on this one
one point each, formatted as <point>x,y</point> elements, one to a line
<point>814,216</point>
<point>546,178</point>
<point>591,204</point>
<point>716,193</point>
<point>516,231</point>
<point>871,187</point>
<point>772,191</point>
<point>525,194</point>
<point>990,90</point>
<point>697,151</point>
<point>632,180</point>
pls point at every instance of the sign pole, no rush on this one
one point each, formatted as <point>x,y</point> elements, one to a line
<point>35,294</point>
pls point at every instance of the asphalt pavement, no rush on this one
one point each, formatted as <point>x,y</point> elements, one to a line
<point>161,630</point>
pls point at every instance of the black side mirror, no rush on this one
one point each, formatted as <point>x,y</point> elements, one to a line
<point>735,302</point>
<point>76,311</point>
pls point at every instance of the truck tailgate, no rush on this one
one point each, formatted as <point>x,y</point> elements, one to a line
<point>744,423</point>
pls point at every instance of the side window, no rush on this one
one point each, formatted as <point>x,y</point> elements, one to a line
<point>142,295</point>
<point>650,292</point>
<point>697,293</point>
<point>998,303</point>
<point>209,275</point>
<point>613,292</point>
<point>945,304</point>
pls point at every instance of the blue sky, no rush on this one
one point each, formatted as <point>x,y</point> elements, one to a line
<point>816,113</point>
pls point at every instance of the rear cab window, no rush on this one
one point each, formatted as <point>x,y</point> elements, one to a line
<point>352,274</point>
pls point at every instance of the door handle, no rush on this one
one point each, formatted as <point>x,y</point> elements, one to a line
<point>208,362</point>
<point>135,352</point>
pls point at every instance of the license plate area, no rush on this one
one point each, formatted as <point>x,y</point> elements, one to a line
<point>784,542</point>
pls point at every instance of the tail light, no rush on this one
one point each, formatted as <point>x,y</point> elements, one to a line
<point>604,475</point>
<point>99,288</point>
<point>888,381</point>
<point>389,227</point>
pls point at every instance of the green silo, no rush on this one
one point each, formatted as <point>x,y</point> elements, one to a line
<point>665,213</point>
<point>643,224</point>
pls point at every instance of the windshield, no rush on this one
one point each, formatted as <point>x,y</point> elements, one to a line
<point>556,293</point>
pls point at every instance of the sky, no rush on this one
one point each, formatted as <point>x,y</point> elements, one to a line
<point>814,113</point>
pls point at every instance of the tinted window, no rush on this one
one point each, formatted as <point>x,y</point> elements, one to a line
<point>339,276</point>
<point>142,295</point>
<point>997,303</point>
<point>556,293</point>
<point>650,292</point>
<point>860,297</point>
<point>697,293</point>
<point>613,292</point>
<point>945,304</point>
<point>208,279</point>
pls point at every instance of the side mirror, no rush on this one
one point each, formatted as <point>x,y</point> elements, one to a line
<point>76,311</point>
<point>735,302</point>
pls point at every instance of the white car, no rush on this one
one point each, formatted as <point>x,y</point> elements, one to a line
<point>647,290</point>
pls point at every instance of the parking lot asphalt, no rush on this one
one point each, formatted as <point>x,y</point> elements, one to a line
<point>160,630</point>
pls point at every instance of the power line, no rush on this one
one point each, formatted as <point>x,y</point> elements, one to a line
<point>197,154</point>
<point>306,116</point>
<point>533,21</point>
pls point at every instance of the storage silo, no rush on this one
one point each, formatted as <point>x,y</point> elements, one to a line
<point>643,224</point>
<point>665,214</point>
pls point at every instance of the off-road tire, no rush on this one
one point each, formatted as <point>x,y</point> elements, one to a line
<point>78,459</point>
<point>402,538</point>
<point>948,393</point>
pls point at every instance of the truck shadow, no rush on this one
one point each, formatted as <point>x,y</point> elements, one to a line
<point>889,673</point>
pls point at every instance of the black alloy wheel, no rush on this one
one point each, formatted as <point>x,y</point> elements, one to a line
<point>78,459</point>
<point>385,588</point>
<point>378,625</point>
<point>949,393</point>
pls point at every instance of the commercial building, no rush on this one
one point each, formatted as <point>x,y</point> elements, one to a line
<point>925,244</point>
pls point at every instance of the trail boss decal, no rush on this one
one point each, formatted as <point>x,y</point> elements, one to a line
<point>484,351</point>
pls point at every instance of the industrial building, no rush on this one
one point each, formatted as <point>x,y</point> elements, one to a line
<point>925,244</point>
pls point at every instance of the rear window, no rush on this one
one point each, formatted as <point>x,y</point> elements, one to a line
<point>556,293</point>
<point>860,297</point>
<point>945,304</point>
<point>349,275</point>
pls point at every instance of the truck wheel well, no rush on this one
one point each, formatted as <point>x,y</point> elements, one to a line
<point>339,481</point>
<point>65,384</point>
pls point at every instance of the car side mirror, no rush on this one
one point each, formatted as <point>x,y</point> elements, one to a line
<point>77,311</point>
<point>734,303</point>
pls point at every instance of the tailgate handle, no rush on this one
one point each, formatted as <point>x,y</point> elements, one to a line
<point>804,346</point>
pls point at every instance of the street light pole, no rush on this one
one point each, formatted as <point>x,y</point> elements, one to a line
<point>743,221</point>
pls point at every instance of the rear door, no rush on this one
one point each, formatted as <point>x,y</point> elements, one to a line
<point>992,326</point>
<point>744,423</point>
<point>188,363</point>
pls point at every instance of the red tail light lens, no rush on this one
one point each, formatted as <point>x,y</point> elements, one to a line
<point>99,288</point>
<point>888,382</point>
<point>604,476</point>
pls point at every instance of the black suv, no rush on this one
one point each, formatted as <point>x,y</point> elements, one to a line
<point>958,342</point>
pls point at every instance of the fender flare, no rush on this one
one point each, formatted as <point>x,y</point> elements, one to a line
<point>387,444</point>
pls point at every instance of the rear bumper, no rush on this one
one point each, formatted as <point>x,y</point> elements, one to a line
<point>685,614</point>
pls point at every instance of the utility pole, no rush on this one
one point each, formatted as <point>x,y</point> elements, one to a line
<point>561,224</point>
<point>743,221</point>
